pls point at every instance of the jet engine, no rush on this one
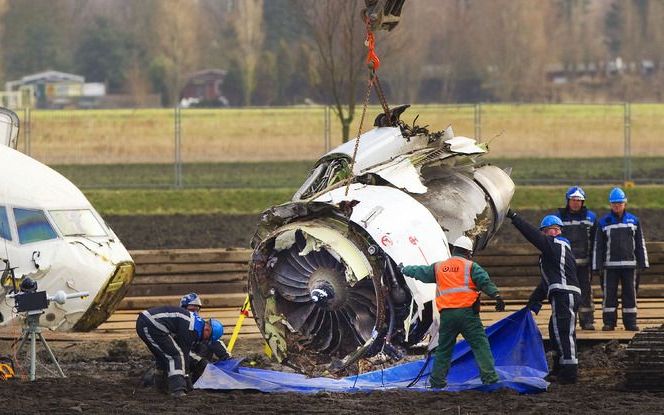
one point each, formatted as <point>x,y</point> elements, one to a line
<point>324,279</point>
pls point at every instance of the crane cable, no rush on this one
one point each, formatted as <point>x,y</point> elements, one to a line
<point>373,62</point>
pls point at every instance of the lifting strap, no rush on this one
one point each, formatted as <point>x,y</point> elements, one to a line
<point>373,62</point>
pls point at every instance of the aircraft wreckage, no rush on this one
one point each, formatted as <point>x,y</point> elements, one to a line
<point>324,281</point>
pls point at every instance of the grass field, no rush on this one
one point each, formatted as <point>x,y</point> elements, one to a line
<point>291,174</point>
<point>247,201</point>
<point>297,133</point>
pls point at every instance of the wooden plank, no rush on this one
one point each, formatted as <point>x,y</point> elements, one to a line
<point>507,260</point>
<point>509,249</point>
<point>196,267</point>
<point>222,277</point>
<point>210,300</point>
<point>191,255</point>
<point>148,290</point>
<point>655,247</point>
<point>528,249</point>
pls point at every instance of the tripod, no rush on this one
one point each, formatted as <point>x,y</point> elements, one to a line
<point>31,330</point>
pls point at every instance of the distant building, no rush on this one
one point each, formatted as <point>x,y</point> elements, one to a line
<point>203,89</point>
<point>54,89</point>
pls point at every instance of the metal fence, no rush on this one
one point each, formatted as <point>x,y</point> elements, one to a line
<point>179,147</point>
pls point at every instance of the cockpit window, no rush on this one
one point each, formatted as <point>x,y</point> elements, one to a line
<point>5,233</point>
<point>81,222</point>
<point>33,226</point>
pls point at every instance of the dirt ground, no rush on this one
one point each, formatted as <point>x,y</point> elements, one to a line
<point>105,376</point>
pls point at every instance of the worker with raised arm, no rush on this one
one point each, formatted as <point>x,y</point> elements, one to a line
<point>560,285</point>
<point>459,281</point>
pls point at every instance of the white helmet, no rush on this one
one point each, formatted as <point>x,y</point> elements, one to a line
<point>463,242</point>
<point>190,299</point>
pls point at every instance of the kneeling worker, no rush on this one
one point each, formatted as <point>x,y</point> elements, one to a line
<point>458,282</point>
<point>169,333</point>
<point>203,352</point>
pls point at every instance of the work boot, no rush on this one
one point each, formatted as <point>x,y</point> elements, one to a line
<point>178,394</point>
<point>161,381</point>
<point>190,384</point>
<point>632,328</point>
<point>567,374</point>
<point>563,380</point>
<point>608,328</point>
<point>437,385</point>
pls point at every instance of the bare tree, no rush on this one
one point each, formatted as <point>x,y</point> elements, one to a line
<point>513,48</point>
<point>177,41</point>
<point>247,22</point>
<point>3,9</point>
<point>338,33</point>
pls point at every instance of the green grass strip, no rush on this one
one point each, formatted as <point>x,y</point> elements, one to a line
<point>252,201</point>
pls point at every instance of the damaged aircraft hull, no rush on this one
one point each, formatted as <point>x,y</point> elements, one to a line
<point>324,281</point>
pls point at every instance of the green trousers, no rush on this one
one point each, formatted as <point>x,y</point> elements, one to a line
<point>464,321</point>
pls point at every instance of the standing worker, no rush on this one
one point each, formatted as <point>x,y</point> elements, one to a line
<point>560,285</point>
<point>458,282</point>
<point>169,332</point>
<point>203,352</point>
<point>579,227</point>
<point>620,249</point>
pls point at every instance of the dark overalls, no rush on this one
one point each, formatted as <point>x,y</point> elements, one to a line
<point>580,228</point>
<point>203,353</point>
<point>619,250</point>
<point>560,285</point>
<point>169,333</point>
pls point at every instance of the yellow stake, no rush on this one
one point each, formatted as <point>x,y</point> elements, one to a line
<point>244,312</point>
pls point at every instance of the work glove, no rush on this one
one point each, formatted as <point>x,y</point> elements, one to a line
<point>189,384</point>
<point>500,303</point>
<point>535,307</point>
<point>511,214</point>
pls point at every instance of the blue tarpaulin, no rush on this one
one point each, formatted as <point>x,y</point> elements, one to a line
<point>516,343</point>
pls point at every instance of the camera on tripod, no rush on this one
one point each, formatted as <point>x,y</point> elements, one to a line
<point>32,303</point>
<point>29,300</point>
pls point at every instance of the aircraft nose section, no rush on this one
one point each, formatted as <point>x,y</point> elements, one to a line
<point>108,298</point>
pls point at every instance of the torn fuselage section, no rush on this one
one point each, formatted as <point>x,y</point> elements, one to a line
<point>324,283</point>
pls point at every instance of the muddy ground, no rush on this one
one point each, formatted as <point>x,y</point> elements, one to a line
<point>104,376</point>
<point>219,231</point>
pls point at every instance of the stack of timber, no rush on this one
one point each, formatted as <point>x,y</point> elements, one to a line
<point>644,364</point>
<point>162,277</point>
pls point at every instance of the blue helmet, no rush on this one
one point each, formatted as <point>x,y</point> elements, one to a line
<point>217,330</point>
<point>550,220</point>
<point>575,192</point>
<point>199,325</point>
<point>617,195</point>
<point>190,299</point>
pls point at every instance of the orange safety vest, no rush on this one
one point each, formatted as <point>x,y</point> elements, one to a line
<point>454,286</point>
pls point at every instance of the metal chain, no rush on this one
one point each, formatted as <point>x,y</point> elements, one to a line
<point>381,97</point>
<point>359,132</point>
